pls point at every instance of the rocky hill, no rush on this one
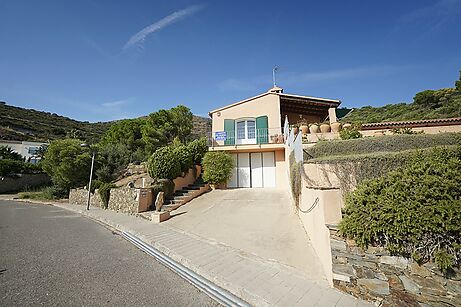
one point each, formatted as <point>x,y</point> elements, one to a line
<point>31,125</point>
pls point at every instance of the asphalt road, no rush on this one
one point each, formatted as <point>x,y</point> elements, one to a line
<point>49,256</point>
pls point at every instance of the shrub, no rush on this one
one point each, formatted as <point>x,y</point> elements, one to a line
<point>413,212</point>
<point>184,156</point>
<point>164,164</point>
<point>29,168</point>
<point>198,149</point>
<point>45,193</point>
<point>352,132</point>
<point>9,166</point>
<point>217,167</point>
<point>295,178</point>
<point>104,192</point>
<point>385,143</point>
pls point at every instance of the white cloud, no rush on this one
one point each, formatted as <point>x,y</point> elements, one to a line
<point>117,103</point>
<point>139,38</point>
<point>300,78</point>
<point>431,17</point>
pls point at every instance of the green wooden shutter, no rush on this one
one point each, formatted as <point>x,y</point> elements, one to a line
<point>229,127</point>
<point>262,130</point>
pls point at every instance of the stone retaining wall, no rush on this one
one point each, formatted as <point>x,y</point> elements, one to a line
<point>124,199</point>
<point>22,181</point>
<point>375,275</point>
<point>80,197</point>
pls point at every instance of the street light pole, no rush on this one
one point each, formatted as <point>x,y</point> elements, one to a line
<point>91,175</point>
<point>89,184</point>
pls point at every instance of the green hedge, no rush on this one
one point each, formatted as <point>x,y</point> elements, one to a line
<point>164,164</point>
<point>386,143</point>
<point>413,211</point>
<point>217,167</point>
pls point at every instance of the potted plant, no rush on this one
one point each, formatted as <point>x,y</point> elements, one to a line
<point>314,128</point>
<point>324,128</point>
<point>335,127</point>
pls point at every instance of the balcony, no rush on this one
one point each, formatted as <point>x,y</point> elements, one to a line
<point>262,137</point>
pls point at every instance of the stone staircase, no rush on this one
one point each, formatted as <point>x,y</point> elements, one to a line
<point>183,196</point>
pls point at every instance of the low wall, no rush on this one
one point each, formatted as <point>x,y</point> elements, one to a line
<point>124,199</point>
<point>80,197</point>
<point>23,181</point>
<point>318,208</point>
<point>374,275</point>
<point>188,178</point>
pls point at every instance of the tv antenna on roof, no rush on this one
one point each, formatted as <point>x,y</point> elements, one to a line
<point>274,72</point>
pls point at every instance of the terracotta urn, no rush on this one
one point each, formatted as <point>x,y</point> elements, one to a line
<point>295,130</point>
<point>314,128</point>
<point>324,128</point>
<point>304,129</point>
<point>345,126</point>
<point>335,127</point>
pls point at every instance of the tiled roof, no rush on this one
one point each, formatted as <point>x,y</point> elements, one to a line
<point>413,123</point>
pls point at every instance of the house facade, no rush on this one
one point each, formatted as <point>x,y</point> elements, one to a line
<point>29,150</point>
<point>252,131</point>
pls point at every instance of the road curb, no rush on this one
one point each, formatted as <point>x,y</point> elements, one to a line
<point>222,296</point>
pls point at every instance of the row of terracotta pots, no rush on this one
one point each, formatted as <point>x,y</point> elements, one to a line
<point>314,128</point>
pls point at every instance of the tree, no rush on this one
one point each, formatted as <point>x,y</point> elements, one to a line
<point>164,125</point>
<point>458,83</point>
<point>126,132</point>
<point>7,152</point>
<point>67,163</point>
<point>182,121</point>
<point>112,160</point>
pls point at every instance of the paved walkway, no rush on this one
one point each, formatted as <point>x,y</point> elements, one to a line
<point>256,221</point>
<point>255,280</point>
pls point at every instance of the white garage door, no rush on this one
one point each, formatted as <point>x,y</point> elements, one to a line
<point>256,170</point>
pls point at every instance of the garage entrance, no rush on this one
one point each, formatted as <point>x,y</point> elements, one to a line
<point>253,170</point>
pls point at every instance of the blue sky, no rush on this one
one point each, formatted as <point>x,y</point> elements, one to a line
<point>100,60</point>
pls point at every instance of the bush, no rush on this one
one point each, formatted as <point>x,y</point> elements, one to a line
<point>164,164</point>
<point>198,149</point>
<point>413,212</point>
<point>385,143</point>
<point>352,132</point>
<point>9,166</point>
<point>46,193</point>
<point>104,192</point>
<point>217,167</point>
<point>184,156</point>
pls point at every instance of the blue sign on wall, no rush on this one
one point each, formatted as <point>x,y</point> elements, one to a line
<point>220,135</point>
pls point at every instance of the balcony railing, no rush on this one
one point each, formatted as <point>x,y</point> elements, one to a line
<point>255,137</point>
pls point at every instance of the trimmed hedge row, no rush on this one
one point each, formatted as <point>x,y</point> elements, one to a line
<point>386,143</point>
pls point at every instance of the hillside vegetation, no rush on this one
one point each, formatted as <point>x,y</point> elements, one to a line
<point>31,125</point>
<point>429,104</point>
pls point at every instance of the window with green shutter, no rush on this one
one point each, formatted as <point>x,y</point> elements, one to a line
<point>229,127</point>
<point>262,130</point>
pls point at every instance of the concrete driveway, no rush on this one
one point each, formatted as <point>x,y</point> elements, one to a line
<point>258,222</point>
